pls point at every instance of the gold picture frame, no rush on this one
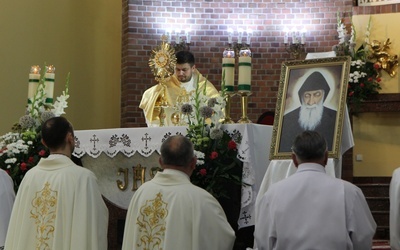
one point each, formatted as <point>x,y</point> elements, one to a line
<point>319,82</point>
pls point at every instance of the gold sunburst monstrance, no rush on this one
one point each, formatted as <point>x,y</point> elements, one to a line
<point>162,61</point>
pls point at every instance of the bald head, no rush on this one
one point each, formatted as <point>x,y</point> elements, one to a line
<point>177,151</point>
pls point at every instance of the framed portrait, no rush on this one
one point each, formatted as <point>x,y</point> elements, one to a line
<point>311,96</point>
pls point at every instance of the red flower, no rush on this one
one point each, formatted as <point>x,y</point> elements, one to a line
<point>362,85</point>
<point>351,93</point>
<point>203,172</point>
<point>30,159</point>
<point>370,79</point>
<point>23,166</point>
<point>42,152</point>
<point>377,66</point>
<point>378,79</point>
<point>213,155</point>
<point>232,145</point>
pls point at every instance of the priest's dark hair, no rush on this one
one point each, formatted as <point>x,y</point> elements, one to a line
<point>54,131</point>
<point>177,150</point>
<point>184,56</point>
<point>309,146</point>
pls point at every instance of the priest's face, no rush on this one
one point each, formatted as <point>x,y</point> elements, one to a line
<point>184,72</point>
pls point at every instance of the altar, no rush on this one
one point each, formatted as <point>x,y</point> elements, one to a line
<point>124,158</point>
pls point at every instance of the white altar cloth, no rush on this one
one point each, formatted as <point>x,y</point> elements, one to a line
<point>253,152</point>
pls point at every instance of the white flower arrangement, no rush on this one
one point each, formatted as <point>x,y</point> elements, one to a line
<point>21,149</point>
<point>357,74</point>
<point>363,79</point>
<point>215,149</point>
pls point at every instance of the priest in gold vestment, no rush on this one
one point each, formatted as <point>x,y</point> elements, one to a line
<point>58,204</point>
<point>182,83</point>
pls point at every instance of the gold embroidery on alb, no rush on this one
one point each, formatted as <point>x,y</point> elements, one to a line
<point>43,210</point>
<point>152,223</point>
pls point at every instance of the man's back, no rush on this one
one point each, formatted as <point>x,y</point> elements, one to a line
<point>311,210</point>
<point>58,206</point>
<point>169,212</point>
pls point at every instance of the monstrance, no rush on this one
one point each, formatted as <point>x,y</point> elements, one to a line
<point>162,63</point>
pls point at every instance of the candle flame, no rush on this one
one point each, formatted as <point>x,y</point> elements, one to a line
<point>35,69</point>
<point>50,69</point>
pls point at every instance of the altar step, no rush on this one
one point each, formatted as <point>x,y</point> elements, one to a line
<point>380,245</point>
<point>376,192</point>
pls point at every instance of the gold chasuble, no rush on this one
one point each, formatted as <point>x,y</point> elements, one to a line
<point>170,90</point>
<point>159,102</point>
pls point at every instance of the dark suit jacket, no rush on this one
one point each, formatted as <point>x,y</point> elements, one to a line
<point>291,128</point>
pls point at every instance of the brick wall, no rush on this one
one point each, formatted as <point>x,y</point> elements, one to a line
<point>144,21</point>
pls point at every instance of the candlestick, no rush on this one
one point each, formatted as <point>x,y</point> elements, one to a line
<point>228,69</point>
<point>244,80</point>
<point>230,31</point>
<point>187,36</point>
<point>169,33</point>
<point>240,36</point>
<point>244,100</point>
<point>296,47</point>
<point>286,35</point>
<point>227,119</point>
<point>34,78</point>
<point>294,36</point>
<point>177,37</point>
<point>303,36</point>
<point>49,84</point>
<point>249,33</point>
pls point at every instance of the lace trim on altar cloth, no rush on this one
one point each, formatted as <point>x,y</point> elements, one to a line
<point>144,141</point>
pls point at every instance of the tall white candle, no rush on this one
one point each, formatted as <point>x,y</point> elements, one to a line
<point>49,83</point>
<point>244,78</point>
<point>228,69</point>
<point>34,78</point>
